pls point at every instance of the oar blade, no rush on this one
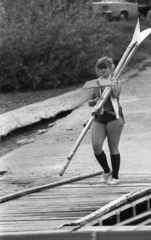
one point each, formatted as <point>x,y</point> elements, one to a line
<point>130,46</point>
<point>144,34</point>
<point>136,33</point>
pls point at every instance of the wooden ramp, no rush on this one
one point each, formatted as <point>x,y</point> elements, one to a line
<point>47,209</point>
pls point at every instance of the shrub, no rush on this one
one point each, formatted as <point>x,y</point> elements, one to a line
<point>47,44</point>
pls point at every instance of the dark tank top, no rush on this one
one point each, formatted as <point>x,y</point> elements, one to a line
<point>108,104</point>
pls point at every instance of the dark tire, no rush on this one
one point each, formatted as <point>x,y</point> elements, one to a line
<point>124,15</point>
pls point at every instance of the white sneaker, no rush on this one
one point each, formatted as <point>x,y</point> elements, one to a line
<point>113,181</point>
<point>105,177</point>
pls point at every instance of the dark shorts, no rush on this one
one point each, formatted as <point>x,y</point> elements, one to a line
<point>107,117</point>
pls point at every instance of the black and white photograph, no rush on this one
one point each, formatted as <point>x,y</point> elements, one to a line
<point>75,119</point>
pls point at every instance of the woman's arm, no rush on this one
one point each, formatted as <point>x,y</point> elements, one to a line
<point>116,89</point>
<point>94,97</point>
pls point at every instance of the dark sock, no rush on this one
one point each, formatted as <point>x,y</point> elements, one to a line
<point>103,162</point>
<point>115,160</point>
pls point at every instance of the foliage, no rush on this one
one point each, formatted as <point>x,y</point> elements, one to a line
<point>49,44</point>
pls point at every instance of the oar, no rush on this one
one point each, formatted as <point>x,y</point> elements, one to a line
<point>135,37</point>
<point>138,39</point>
<point>100,103</point>
<point>130,46</point>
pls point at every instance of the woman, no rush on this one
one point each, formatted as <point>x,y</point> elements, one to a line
<point>108,123</point>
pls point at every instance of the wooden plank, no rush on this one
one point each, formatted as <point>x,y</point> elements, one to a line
<point>51,185</point>
<point>51,208</point>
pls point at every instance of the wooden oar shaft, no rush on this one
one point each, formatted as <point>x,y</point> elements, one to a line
<point>122,60</point>
<point>86,128</point>
<point>126,61</point>
<point>129,48</point>
<point>99,105</point>
<point>71,154</point>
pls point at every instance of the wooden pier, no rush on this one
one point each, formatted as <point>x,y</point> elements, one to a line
<point>46,210</point>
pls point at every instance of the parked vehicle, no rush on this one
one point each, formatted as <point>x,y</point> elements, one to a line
<point>144,6</point>
<point>116,8</point>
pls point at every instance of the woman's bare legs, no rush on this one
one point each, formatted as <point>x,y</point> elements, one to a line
<point>114,130</point>
<point>98,136</point>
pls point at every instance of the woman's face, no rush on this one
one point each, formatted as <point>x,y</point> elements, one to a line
<point>105,72</point>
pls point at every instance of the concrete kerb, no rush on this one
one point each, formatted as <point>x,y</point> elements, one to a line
<point>34,113</point>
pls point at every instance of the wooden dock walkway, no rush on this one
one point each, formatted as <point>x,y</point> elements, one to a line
<point>48,209</point>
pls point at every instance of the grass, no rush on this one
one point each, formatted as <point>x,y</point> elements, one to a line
<point>14,100</point>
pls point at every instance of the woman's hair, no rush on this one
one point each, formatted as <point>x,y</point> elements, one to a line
<point>104,62</point>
